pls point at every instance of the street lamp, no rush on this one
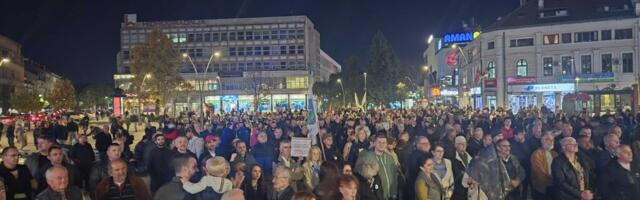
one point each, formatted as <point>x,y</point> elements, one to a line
<point>430,39</point>
<point>4,60</point>
<point>344,102</point>
<point>200,80</point>
<point>425,68</point>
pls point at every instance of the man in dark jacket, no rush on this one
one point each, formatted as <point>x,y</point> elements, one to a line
<point>185,167</point>
<point>103,140</point>
<point>620,180</point>
<point>604,157</point>
<point>411,163</point>
<point>60,132</point>
<point>36,160</point>
<point>571,174</point>
<point>72,128</point>
<point>83,156</point>
<point>514,169</point>
<point>159,165</point>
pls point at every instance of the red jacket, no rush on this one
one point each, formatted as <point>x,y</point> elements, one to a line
<point>506,133</point>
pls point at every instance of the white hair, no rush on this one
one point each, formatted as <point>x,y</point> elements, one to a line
<point>48,175</point>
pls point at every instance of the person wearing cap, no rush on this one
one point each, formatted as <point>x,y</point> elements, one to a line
<point>211,142</point>
<point>459,164</point>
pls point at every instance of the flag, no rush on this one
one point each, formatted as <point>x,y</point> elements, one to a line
<point>312,117</point>
<point>477,76</point>
<point>490,173</point>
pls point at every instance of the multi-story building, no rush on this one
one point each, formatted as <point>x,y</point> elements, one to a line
<point>281,55</point>
<point>37,78</point>
<point>11,70</point>
<point>555,53</point>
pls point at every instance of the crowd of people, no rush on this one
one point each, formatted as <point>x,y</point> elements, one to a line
<point>433,153</point>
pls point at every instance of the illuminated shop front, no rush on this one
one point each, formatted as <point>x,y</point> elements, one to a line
<point>538,95</point>
<point>268,103</point>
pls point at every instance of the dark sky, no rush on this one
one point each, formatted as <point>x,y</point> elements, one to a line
<point>79,39</point>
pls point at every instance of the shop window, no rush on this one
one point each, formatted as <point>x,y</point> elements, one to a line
<point>521,67</point>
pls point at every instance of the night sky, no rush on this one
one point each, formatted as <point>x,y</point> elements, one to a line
<point>79,39</point>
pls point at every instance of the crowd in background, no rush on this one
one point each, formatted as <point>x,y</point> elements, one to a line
<point>435,153</point>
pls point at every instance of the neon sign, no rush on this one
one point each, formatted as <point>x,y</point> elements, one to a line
<point>460,37</point>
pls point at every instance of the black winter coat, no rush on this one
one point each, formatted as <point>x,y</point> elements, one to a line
<point>618,183</point>
<point>565,178</point>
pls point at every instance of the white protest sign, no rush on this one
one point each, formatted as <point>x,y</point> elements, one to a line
<point>300,146</point>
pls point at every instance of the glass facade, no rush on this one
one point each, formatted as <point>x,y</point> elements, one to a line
<point>268,103</point>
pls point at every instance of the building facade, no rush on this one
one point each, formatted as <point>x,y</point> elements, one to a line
<point>279,55</point>
<point>38,79</point>
<point>557,54</point>
<point>11,70</point>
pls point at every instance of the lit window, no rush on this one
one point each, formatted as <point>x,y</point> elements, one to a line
<point>521,67</point>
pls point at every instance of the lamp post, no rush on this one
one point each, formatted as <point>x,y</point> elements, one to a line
<point>200,80</point>
<point>344,102</point>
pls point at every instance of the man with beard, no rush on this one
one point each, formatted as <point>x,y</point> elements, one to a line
<point>158,165</point>
<point>541,160</point>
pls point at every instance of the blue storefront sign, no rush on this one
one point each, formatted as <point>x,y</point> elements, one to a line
<point>463,37</point>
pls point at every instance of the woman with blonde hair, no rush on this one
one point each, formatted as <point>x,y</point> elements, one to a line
<point>214,183</point>
<point>311,168</point>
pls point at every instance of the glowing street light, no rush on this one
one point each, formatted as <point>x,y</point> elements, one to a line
<point>4,60</point>
<point>344,101</point>
<point>430,39</point>
<point>425,68</point>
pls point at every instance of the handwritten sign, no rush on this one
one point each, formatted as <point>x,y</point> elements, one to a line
<point>300,146</point>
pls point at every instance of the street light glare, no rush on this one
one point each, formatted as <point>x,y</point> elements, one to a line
<point>453,46</point>
<point>184,55</point>
<point>430,39</point>
<point>6,60</point>
<point>216,54</point>
<point>425,68</point>
<point>339,80</point>
<point>147,76</point>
